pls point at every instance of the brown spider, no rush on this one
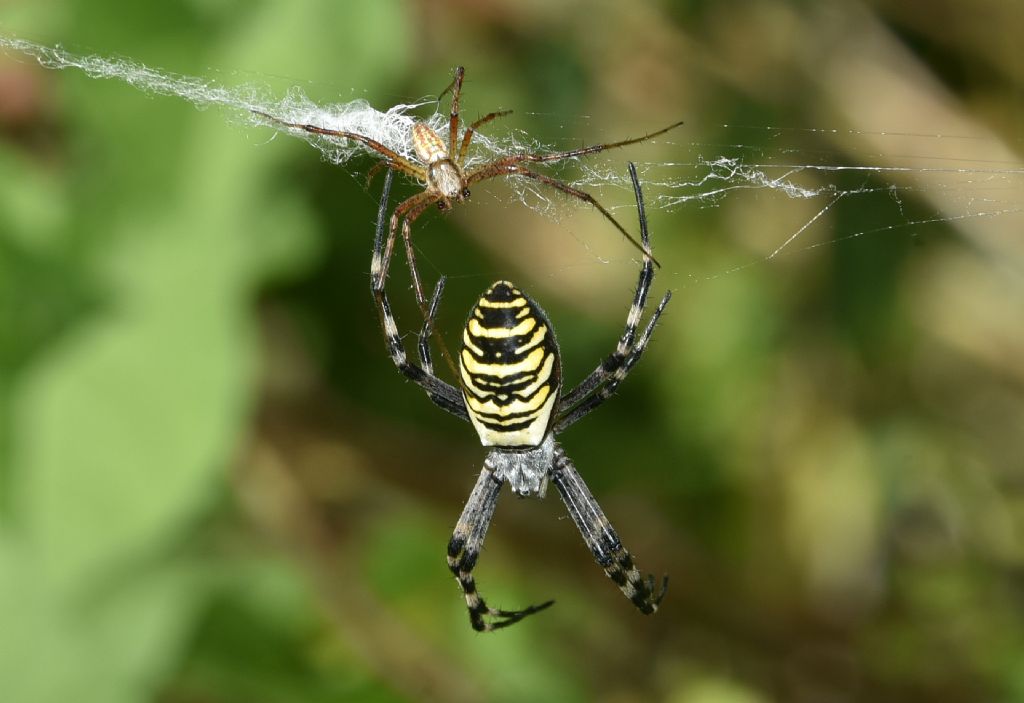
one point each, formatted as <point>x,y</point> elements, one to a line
<point>442,170</point>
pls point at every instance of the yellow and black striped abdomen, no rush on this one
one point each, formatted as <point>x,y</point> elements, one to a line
<point>510,369</point>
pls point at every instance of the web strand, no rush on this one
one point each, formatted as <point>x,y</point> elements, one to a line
<point>961,190</point>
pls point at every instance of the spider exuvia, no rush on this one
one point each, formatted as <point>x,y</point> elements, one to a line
<point>511,392</point>
<point>441,168</point>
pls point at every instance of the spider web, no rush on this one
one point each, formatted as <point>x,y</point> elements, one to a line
<point>981,198</point>
<point>966,193</point>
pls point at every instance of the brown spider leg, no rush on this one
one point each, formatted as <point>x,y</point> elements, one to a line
<point>444,395</point>
<point>583,151</point>
<point>374,170</point>
<point>410,253</point>
<point>504,167</point>
<point>395,160</point>
<point>381,262</point>
<point>406,212</point>
<point>464,550</point>
<point>467,136</point>
<point>602,539</point>
<point>410,256</point>
<point>453,120</point>
<point>455,85</point>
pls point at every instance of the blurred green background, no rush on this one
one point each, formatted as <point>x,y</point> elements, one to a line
<point>214,487</point>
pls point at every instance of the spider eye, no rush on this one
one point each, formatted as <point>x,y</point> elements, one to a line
<point>442,205</point>
<point>465,193</point>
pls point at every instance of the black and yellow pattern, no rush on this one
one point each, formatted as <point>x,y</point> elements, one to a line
<point>510,377</point>
<point>509,368</point>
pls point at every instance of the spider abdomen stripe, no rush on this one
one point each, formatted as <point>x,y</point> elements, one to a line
<point>509,368</point>
<point>428,146</point>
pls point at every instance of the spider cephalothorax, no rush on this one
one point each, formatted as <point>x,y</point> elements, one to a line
<point>511,391</point>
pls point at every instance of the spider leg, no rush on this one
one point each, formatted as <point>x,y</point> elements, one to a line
<point>614,361</point>
<point>507,167</point>
<point>602,539</point>
<point>410,256</point>
<point>467,136</point>
<point>406,212</point>
<point>428,327</point>
<point>607,377</point>
<point>585,150</point>
<point>444,395</point>
<point>411,208</point>
<point>394,160</point>
<point>624,349</point>
<point>381,262</point>
<point>464,550</point>
<point>455,87</point>
<point>374,170</point>
<point>410,252</point>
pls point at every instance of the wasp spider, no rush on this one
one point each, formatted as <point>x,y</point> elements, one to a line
<point>511,383</point>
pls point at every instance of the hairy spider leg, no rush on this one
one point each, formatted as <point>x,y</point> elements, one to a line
<point>394,159</point>
<point>602,539</point>
<point>464,550</point>
<point>606,379</point>
<point>375,169</point>
<point>453,115</point>
<point>423,345</point>
<point>444,395</point>
<point>467,136</point>
<point>407,218</point>
<point>614,368</point>
<point>500,168</point>
<point>405,212</point>
<point>646,271</point>
<point>584,150</point>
